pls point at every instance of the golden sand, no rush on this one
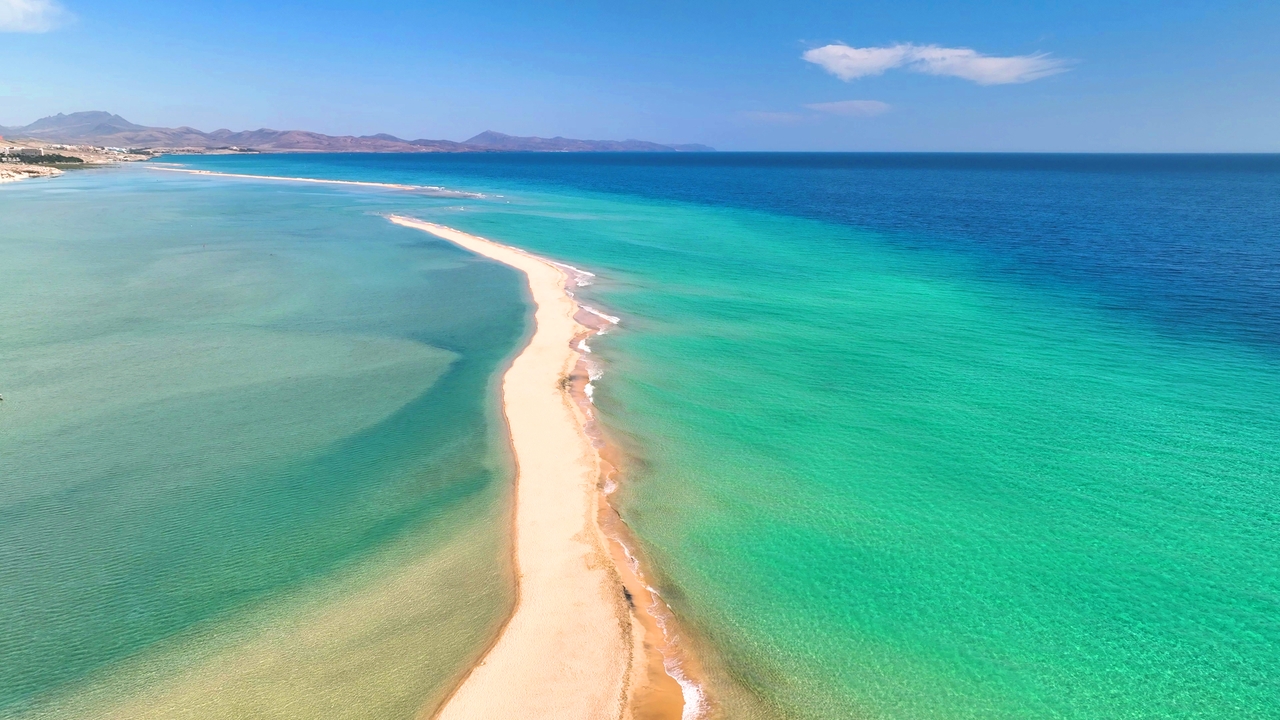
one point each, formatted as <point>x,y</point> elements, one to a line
<point>575,646</point>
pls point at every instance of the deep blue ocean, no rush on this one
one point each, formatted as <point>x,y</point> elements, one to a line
<point>1187,240</point>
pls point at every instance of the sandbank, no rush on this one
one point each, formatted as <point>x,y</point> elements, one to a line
<point>425,189</point>
<point>580,643</point>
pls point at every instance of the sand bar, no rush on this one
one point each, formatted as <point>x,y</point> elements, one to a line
<point>426,189</point>
<point>572,648</point>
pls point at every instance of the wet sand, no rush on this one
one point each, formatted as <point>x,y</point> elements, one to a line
<point>669,682</point>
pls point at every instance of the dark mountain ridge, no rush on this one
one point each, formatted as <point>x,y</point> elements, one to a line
<point>105,129</point>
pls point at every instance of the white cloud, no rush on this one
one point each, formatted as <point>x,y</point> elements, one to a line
<point>31,16</point>
<point>984,69</point>
<point>851,108</point>
<point>849,63</point>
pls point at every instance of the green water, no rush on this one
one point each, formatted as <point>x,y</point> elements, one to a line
<point>228,409</point>
<point>875,483</point>
<point>877,473</point>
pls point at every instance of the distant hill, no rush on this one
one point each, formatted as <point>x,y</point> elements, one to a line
<point>106,129</point>
<point>497,141</point>
<point>82,124</point>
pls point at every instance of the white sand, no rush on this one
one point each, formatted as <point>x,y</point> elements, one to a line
<point>568,649</point>
<point>427,189</point>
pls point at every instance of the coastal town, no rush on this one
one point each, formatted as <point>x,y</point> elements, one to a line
<point>21,159</point>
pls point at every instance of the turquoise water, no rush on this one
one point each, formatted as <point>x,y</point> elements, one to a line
<point>231,415</point>
<point>921,436</point>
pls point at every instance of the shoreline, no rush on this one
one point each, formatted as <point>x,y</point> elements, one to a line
<point>673,691</point>
<point>18,172</point>
<point>433,190</point>
<point>588,637</point>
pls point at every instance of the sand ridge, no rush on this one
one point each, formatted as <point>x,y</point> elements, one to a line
<point>572,647</point>
<point>422,189</point>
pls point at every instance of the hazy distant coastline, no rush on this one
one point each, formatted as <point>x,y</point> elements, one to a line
<point>104,129</point>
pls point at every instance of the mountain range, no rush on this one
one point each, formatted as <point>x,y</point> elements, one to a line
<point>105,129</point>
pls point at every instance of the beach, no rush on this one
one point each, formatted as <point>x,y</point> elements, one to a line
<point>574,646</point>
<point>423,189</point>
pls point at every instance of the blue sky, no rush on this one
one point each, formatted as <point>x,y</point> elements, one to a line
<point>1121,75</point>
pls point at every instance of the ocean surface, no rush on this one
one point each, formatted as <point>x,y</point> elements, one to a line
<point>253,461</point>
<point>909,436</point>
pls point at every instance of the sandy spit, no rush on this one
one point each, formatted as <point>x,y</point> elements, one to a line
<point>422,189</point>
<point>572,648</point>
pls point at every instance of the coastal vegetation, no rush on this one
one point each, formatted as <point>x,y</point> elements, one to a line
<point>50,159</point>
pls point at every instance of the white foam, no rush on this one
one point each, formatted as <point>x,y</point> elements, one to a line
<point>633,562</point>
<point>695,699</point>
<point>582,345</point>
<point>572,269</point>
<point>581,278</point>
<point>611,319</point>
